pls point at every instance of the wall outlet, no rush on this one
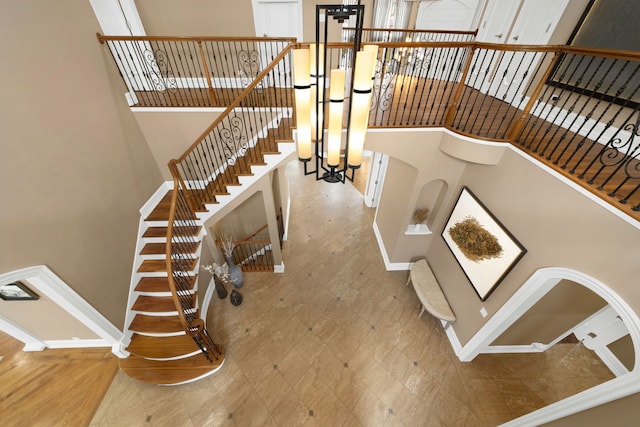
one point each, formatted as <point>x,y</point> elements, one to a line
<point>483,312</point>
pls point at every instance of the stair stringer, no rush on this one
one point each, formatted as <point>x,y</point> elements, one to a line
<point>145,210</point>
<point>287,151</point>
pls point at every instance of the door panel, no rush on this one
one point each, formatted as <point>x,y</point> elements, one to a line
<point>278,18</point>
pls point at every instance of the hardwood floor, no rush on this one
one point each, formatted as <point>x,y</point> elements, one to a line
<point>195,97</point>
<point>54,387</point>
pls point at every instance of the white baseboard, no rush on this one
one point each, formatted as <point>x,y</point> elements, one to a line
<point>77,343</point>
<point>453,338</point>
<point>278,268</point>
<point>497,349</point>
<point>613,363</point>
<point>390,266</point>
<point>48,283</point>
<point>206,300</point>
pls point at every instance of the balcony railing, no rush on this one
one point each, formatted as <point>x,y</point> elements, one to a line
<point>240,137</point>
<point>378,35</point>
<point>574,109</point>
<point>190,71</point>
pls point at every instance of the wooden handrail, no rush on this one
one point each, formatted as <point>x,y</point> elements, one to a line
<point>186,325</point>
<point>102,38</point>
<point>179,183</point>
<point>235,103</point>
<point>604,53</point>
<point>399,30</point>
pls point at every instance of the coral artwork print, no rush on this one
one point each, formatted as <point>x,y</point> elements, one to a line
<point>476,243</point>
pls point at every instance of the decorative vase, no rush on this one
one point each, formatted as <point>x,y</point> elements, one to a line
<point>236,297</point>
<point>220,289</point>
<point>235,272</point>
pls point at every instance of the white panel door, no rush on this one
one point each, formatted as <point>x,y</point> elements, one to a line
<point>534,26</point>
<point>494,28</point>
<point>497,20</point>
<point>278,18</point>
<point>536,21</point>
<point>447,15</point>
<point>121,18</point>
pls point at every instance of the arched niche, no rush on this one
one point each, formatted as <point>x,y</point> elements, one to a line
<point>430,198</point>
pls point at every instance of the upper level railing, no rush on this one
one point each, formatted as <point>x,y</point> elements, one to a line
<point>576,110</point>
<point>240,137</point>
<point>190,71</point>
<point>379,35</point>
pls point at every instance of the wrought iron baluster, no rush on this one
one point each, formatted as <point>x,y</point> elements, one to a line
<point>470,88</point>
<point>610,123</point>
<point>424,56</point>
<point>441,85</point>
<point>589,95</point>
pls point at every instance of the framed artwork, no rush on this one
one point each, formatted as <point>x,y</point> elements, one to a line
<point>485,250</point>
<point>17,291</point>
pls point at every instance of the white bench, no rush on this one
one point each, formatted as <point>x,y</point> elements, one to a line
<point>429,292</point>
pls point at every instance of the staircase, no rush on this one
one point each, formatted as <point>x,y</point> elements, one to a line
<point>161,351</point>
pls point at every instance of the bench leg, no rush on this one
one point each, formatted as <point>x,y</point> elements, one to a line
<point>421,310</point>
<point>408,280</point>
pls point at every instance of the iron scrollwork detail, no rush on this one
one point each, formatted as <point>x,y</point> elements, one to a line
<point>158,72</point>
<point>384,86</point>
<point>620,150</point>
<point>250,64</point>
<point>233,138</point>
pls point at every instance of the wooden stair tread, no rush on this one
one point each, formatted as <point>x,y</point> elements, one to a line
<point>181,231</point>
<point>153,304</point>
<point>156,324</point>
<point>160,265</point>
<point>161,211</point>
<point>162,347</point>
<point>158,284</point>
<point>160,248</point>
<point>254,156</point>
<point>154,249</point>
<point>169,372</point>
<point>153,266</point>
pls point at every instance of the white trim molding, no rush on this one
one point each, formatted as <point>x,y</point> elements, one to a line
<point>47,283</point>
<point>541,282</point>
<point>395,266</point>
<point>155,198</point>
<point>31,343</point>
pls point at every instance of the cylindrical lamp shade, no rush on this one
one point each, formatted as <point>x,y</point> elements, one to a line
<point>317,88</point>
<point>373,48</point>
<point>302,85</point>
<point>336,101</point>
<point>360,101</point>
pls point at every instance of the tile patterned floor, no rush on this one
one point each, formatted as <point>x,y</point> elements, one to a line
<point>336,341</point>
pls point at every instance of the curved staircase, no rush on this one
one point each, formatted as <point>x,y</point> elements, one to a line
<point>161,351</point>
